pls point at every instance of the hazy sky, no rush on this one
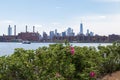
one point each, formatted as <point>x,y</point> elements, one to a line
<point>100,16</point>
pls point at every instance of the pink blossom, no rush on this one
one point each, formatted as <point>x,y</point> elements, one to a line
<point>57,75</point>
<point>72,51</point>
<point>92,74</point>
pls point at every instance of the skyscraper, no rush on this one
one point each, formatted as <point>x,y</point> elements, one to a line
<point>81,28</point>
<point>91,33</point>
<point>51,34</point>
<point>70,32</point>
<point>33,29</point>
<point>14,30</point>
<point>63,34</point>
<point>26,28</point>
<point>87,34</point>
<point>9,31</point>
<point>55,32</point>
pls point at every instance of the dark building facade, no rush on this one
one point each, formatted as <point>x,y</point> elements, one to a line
<point>30,36</point>
<point>6,38</point>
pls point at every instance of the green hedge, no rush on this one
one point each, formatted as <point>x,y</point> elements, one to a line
<point>60,62</point>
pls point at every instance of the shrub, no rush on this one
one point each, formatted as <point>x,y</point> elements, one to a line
<point>60,62</point>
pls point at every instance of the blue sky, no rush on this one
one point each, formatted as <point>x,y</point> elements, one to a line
<point>100,16</point>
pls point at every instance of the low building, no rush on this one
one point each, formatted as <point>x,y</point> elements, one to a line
<point>30,36</point>
<point>6,38</point>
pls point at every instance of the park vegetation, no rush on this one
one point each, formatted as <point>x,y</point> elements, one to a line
<point>61,62</point>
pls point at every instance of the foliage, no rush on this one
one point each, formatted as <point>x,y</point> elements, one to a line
<point>111,60</point>
<point>60,62</point>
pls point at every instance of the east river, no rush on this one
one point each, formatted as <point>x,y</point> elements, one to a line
<point>7,48</point>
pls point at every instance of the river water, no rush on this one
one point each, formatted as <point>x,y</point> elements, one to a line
<point>7,48</point>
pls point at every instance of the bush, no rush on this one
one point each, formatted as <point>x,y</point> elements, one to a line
<point>111,62</point>
<point>59,62</point>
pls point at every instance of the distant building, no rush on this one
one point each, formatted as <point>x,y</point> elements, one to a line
<point>81,28</point>
<point>26,29</point>
<point>70,32</point>
<point>51,34</point>
<point>45,36</point>
<point>6,38</point>
<point>114,37</point>
<point>14,30</point>
<point>87,34</point>
<point>40,37</point>
<point>55,32</point>
<point>91,34</point>
<point>30,36</point>
<point>9,30</point>
<point>63,34</point>
<point>33,29</point>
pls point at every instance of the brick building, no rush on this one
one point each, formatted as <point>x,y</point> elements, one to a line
<point>30,36</point>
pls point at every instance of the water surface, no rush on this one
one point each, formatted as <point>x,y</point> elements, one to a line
<point>7,48</point>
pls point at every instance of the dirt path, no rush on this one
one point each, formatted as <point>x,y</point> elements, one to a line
<point>114,76</point>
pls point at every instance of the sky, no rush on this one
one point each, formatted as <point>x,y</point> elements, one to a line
<point>99,16</point>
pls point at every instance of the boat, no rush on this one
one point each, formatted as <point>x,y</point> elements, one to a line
<point>26,42</point>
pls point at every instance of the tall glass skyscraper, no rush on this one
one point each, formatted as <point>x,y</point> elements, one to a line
<point>9,30</point>
<point>81,28</point>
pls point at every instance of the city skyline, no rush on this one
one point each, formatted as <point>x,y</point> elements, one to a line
<point>69,31</point>
<point>100,16</point>
<point>55,36</point>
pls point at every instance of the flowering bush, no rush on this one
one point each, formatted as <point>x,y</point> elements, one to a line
<point>92,75</point>
<point>59,62</point>
<point>72,50</point>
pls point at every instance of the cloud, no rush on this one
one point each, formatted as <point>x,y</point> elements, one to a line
<point>93,17</point>
<point>99,24</point>
<point>4,25</point>
<point>6,22</point>
<point>96,18</point>
<point>38,25</point>
<point>55,23</point>
<point>109,25</point>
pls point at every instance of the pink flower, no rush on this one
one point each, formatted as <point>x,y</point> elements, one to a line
<point>72,51</point>
<point>92,74</point>
<point>57,75</point>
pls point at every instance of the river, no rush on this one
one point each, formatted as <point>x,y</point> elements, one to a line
<point>7,48</point>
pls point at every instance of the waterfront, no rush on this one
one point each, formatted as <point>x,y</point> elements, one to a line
<point>7,48</point>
